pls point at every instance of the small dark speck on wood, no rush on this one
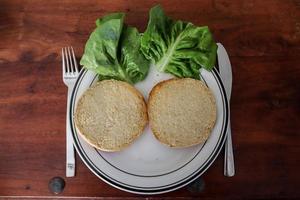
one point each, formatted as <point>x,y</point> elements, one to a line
<point>27,187</point>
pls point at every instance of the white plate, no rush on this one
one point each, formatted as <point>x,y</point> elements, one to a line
<point>147,166</point>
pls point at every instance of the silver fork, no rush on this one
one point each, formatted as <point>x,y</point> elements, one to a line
<point>70,74</point>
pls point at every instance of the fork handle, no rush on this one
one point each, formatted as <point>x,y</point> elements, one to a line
<point>70,155</point>
<point>229,169</point>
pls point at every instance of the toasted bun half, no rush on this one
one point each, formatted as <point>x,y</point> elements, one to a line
<point>111,115</point>
<point>182,112</point>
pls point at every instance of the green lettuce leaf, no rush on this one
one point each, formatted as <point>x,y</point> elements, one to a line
<point>177,47</point>
<point>112,51</point>
<point>133,61</point>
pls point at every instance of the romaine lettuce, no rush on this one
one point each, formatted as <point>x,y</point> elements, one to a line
<point>177,47</point>
<point>112,51</point>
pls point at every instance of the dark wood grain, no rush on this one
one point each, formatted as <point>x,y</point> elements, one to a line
<point>262,38</point>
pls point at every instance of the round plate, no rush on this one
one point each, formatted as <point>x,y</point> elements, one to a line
<point>147,166</point>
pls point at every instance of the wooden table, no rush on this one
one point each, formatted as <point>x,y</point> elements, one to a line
<point>262,38</point>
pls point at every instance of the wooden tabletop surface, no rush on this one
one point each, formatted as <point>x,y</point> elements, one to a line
<point>263,41</point>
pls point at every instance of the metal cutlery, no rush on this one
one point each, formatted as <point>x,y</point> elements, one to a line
<point>226,76</point>
<point>70,73</point>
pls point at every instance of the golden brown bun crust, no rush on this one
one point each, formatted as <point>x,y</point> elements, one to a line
<point>111,115</point>
<point>182,112</point>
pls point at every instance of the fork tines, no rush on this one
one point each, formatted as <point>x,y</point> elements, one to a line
<point>68,60</point>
